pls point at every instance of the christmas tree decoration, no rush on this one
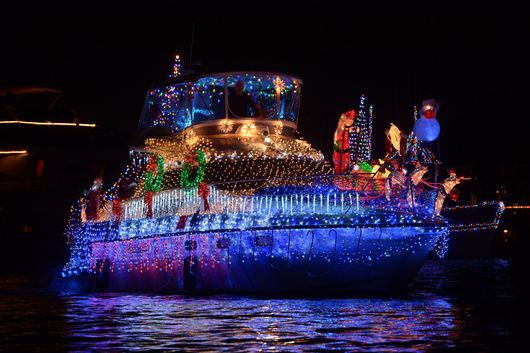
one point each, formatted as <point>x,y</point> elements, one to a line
<point>177,67</point>
<point>361,134</point>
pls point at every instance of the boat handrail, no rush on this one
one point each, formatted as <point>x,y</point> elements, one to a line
<point>272,200</point>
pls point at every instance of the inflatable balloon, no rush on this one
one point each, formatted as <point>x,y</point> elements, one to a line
<point>426,130</point>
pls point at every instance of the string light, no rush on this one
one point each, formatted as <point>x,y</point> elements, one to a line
<point>45,123</point>
<point>291,208</point>
<point>14,152</point>
<point>478,226</point>
<point>279,85</point>
<point>177,67</point>
<point>226,126</point>
<point>361,135</point>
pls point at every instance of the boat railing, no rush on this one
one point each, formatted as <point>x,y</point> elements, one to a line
<point>328,194</point>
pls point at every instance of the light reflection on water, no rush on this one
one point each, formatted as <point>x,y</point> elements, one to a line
<point>445,310</point>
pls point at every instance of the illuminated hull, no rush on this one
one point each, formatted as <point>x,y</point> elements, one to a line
<point>303,260</point>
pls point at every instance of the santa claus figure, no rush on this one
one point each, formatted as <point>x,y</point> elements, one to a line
<point>341,143</point>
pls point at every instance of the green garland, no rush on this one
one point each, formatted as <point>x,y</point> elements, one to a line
<point>199,176</point>
<point>154,185</point>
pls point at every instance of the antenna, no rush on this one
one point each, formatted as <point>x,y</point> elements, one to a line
<point>191,45</point>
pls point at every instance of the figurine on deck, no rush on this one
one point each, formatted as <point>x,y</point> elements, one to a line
<point>396,179</point>
<point>414,180</point>
<point>445,189</point>
<point>341,143</point>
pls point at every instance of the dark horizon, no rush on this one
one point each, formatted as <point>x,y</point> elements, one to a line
<point>105,62</point>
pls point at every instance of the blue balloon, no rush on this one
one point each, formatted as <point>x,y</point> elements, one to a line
<point>426,130</point>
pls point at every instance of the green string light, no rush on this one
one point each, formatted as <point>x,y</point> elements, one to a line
<point>199,176</point>
<point>152,182</point>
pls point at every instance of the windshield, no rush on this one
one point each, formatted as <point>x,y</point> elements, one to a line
<point>231,95</point>
<point>266,96</point>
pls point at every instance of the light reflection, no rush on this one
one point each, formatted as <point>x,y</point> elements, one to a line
<point>468,306</point>
<point>170,322</point>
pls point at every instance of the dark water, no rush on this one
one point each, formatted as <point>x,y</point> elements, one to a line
<point>467,306</point>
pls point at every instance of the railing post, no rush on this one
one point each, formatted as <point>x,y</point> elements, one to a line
<point>226,96</point>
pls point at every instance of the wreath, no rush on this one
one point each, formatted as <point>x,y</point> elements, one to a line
<point>154,174</point>
<point>195,160</point>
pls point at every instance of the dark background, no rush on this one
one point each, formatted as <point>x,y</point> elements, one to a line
<point>475,63</point>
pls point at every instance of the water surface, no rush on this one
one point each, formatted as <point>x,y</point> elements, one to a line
<point>467,306</point>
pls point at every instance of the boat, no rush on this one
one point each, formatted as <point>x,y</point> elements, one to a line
<point>223,197</point>
<point>46,160</point>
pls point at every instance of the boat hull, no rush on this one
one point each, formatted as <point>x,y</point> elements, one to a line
<point>306,260</point>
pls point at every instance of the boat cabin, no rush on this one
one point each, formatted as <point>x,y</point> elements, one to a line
<point>223,99</point>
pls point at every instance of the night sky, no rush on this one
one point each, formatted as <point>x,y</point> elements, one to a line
<point>475,64</point>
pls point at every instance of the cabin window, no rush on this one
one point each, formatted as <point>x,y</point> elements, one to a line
<point>208,99</point>
<point>167,107</point>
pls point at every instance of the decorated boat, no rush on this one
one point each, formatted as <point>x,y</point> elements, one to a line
<point>223,196</point>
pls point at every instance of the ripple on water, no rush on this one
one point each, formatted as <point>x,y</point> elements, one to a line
<point>452,305</point>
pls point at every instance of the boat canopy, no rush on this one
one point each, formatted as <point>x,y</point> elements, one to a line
<point>267,95</point>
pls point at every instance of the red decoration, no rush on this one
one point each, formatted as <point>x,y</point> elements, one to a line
<point>193,159</point>
<point>152,164</point>
<point>204,191</point>
<point>341,166</point>
<point>454,194</point>
<point>116,209</point>
<point>341,142</point>
<point>148,200</point>
<point>182,222</point>
<point>429,114</point>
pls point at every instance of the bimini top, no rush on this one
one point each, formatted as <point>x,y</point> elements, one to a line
<point>233,95</point>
